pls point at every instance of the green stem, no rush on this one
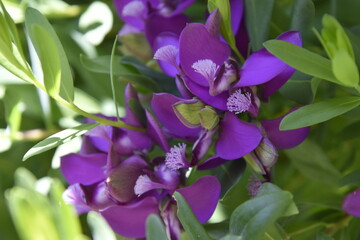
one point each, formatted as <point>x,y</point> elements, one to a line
<point>307,229</point>
<point>102,121</point>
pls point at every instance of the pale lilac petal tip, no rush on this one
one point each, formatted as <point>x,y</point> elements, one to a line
<point>351,203</point>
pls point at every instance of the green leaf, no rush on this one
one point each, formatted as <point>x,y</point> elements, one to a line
<point>99,227</point>
<point>155,229</point>
<point>312,162</point>
<point>188,220</point>
<point>28,206</point>
<point>302,59</point>
<point>49,59</point>
<point>66,218</point>
<point>112,77</point>
<point>303,12</point>
<point>298,91</point>
<point>58,139</point>
<point>122,71</point>
<point>34,17</point>
<point>225,27</point>
<point>258,16</point>
<point>351,178</point>
<point>164,83</point>
<point>319,112</point>
<point>252,218</point>
<point>334,37</point>
<point>351,131</point>
<point>345,69</point>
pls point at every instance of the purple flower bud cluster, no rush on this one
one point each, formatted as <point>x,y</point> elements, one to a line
<point>121,173</point>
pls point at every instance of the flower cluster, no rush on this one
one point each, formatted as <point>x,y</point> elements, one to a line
<point>121,173</point>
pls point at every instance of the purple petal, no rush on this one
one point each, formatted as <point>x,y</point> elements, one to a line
<point>201,92</point>
<point>128,29</point>
<point>237,138</point>
<point>182,6</point>
<point>184,91</point>
<point>202,197</point>
<point>212,162</point>
<point>84,169</point>
<point>236,8</point>
<point>121,181</point>
<point>284,139</point>
<point>75,196</point>
<point>213,23</point>
<point>163,40</point>
<point>132,12</point>
<point>156,24</point>
<point>351,203</point>
<point>262,66</point>
<point>162,107</point>
<point>202,145</point>
<point>129,220</point>
<point>156,133</point>
<point>196,43</point>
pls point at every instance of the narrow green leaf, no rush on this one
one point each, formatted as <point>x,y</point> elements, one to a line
<point>298,91</point>
<point>99,227</point>
<point>252,218</point>
<point>28,206</point>
<point>49,59</point>
<point>345,69</point>
<point>163,82</point>
<point>34,17</point>
<point>225,27</point>
<point>319,112</point>
<point>66,218</point>
<point>9,61</point>
<point>12,29</point>
<point>155,229</point>
<point>188,220</point>
<point>122,71</point>
<point>302,59</point>
<point>351,131</point>
<point>58,139</point>
<point>312,162</point>
<point>303,12</point>
<point>351,178</point>
<point>112,78</point>
<point>258,16</point>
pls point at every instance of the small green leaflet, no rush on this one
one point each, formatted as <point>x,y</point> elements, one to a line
<point>155,229</point>
<point>252,218</point>
<point>345,69</point>
<point>34,17</point>
<point>319,112</point>
<point>58,139</point>
<point>187,218</point>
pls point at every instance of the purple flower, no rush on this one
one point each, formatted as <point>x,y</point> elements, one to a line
<point>114,176</point>
<point>152,16</point>
<point>351,203</point>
